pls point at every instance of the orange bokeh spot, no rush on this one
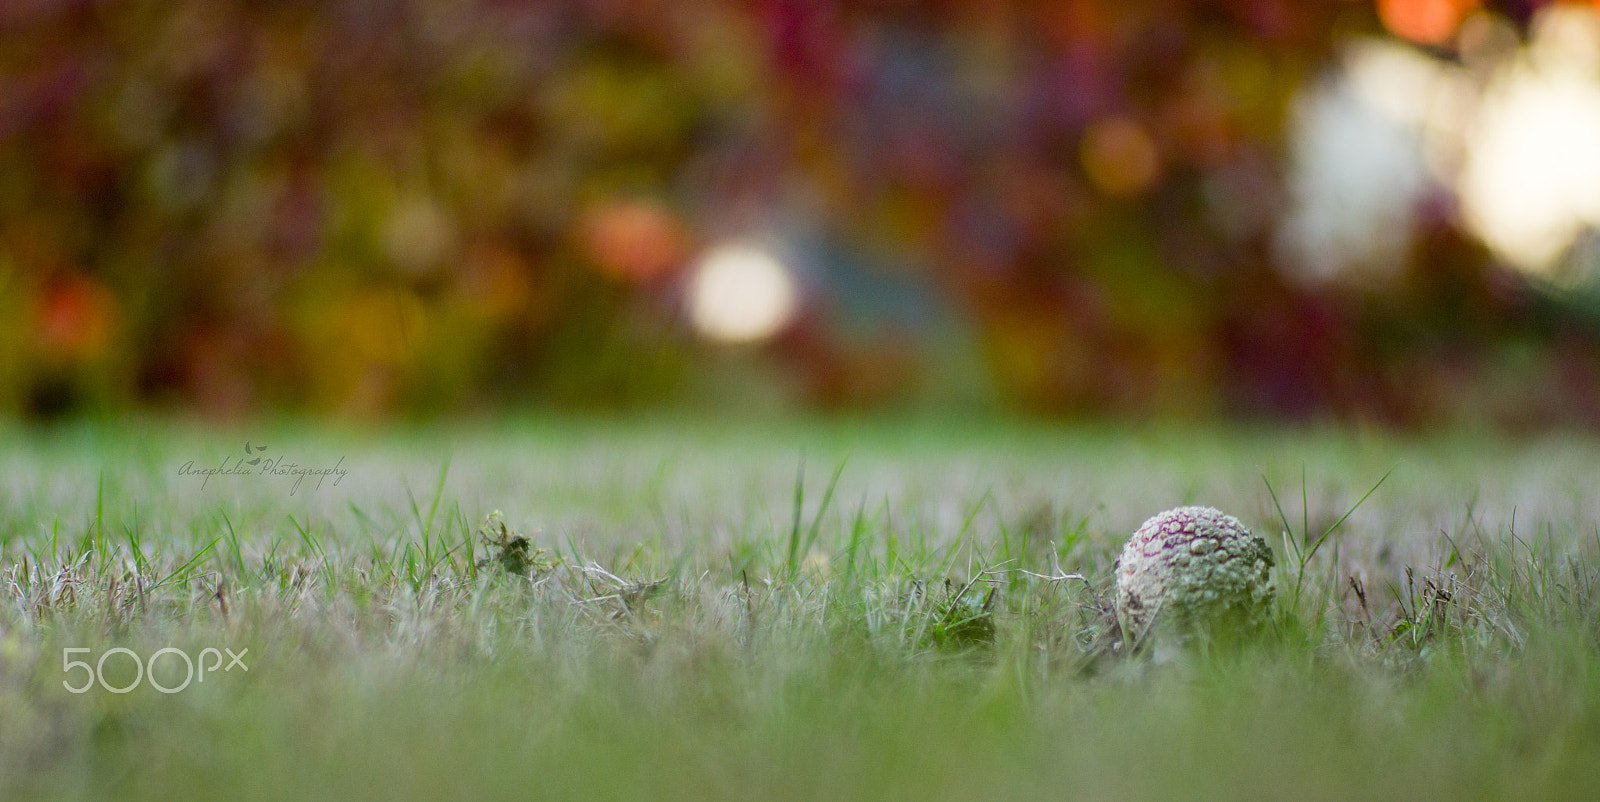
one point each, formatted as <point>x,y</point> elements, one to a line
<point>1429,22</point>
<point>633,240</point>
<point>75,317</point>
<point>383,326</point>
<point>495,283</point>
<point>1120,157</point>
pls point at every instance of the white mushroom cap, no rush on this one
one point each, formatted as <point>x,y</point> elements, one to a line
<point>1192,568</point>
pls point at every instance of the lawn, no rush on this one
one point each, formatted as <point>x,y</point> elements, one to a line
<point>876,609</point>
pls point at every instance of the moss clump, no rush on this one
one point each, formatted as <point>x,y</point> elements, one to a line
<point>509,551</point>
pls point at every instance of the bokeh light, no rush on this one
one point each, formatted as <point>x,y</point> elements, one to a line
<point>1428,22</point>
<point>419,235</point>
<point>632,239</point>
<point>1531,181</point>
<point>1357,168</point>
<point>741,293</point>
<point>1120,157</point>
<point>75,319</point>
<point>1512,133</point>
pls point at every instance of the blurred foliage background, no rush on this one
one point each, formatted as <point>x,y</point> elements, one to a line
<point>1140,207</point>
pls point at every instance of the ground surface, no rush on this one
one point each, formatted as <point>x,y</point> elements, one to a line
<point>678,626</point>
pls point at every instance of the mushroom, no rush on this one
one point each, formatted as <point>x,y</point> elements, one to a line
<point>1193,570</point>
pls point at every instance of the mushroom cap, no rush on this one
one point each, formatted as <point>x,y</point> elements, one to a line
<point>1193,569</point>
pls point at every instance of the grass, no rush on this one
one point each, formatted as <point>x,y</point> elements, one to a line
<point>667,610</point>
